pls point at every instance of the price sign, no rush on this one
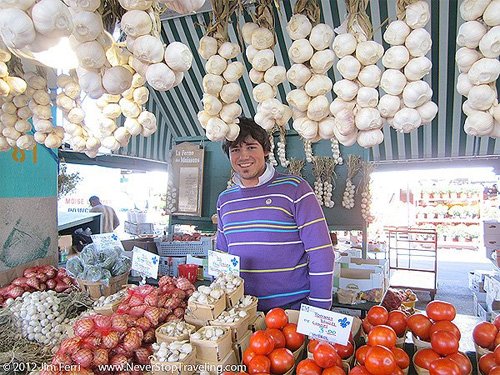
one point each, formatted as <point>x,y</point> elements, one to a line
<point>324,325</point>
<point>106,241</point>
<point>144,262</point>
<point>219,262</point>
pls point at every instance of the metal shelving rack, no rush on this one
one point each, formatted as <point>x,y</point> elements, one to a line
<point>413,258</point>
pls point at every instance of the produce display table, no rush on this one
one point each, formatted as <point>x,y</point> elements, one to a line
<point>361,307</point>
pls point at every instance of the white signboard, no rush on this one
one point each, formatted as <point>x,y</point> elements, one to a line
<point>324,325</point>
<point>145,263</point>
<point>106,241</point>
<point>219,262</point>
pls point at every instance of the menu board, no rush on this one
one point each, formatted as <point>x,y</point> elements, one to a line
<point>187,169</point>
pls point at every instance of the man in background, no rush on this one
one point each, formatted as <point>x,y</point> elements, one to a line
<point>109,219</point>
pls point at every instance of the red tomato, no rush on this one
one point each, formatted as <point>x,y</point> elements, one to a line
<point>367,326</point>
<point>444,342</point>
<point>308,367</point>
<point>293,339</point>
<point>261,343</point>
<point>334,370</point>
<point>312,345</point>
<point>402,359</point>
<point>276,318</point>
<point>345,351</point>
<point>397,321</point>
<point>494,371</point>
<point>259,363</point>
<point>359,370</point>
<point>248,354</point>
<point>440,310</point>
<point>382,335</point>
<point>484,334</point>
<point>420,325</point>
<point>462,361</point>
<point>377,315</point>
<point>496,322</point>
<point>278,337</point>
<point>497,354</point>
<point>361,354</point>
<point>424,357</point>
<point>397,371</point>
<point>281,360</point>
<point>326,356</point>
<point>445,325</point>
<point>380,360</point>
<point>444,366</point>
<point>486,363</point>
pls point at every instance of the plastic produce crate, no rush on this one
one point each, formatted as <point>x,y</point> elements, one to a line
<point>183,248</point>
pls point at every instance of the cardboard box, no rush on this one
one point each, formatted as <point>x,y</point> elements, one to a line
<point>493,315</point>
<point>492,286</point>
<point>147,244</point>
<point>258,323</point>
<point>491,228</point>
<point>213,351</point>
<point>477,299</point>
<point>242,345</point>
<point>138,228</point>
<point>492,303</point>
<point>217,368</point>
<point>482,312</point>
<point>377,265</point>
<point>361,279</point>
<point>207,312</point>
<point>476,279</point>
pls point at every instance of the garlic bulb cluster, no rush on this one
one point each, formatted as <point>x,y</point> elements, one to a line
<point>176,329</point>
<point>183,6</point>
<point>267,77</point>
<point>357,118</point>
<point>227,282</point>
<point>312,57</point>
<point>209,333</point>
<point>76,133</point>
<point>308,151</point>
<point>366,199</point>
<point>104,301</point>
<point>221,110</point>
<point>175,351</point>
<point>348,196</point>
<point>407,103</point>
<point>272,159</point>
<point>39,317</point>
<point>112,136</point>
<point>207,295</point>
<point>40,104</point>
<point>245,302</point>
<point>229,316</point>
<point>477,60</point>
<point>336,151</point>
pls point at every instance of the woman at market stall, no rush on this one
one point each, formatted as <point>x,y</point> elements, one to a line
<point>274,223</point>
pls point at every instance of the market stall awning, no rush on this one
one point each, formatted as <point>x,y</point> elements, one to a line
<point>176,109</point>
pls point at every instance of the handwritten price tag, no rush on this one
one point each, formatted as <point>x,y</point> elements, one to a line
<point>324,325</point>
<point>223,263</point>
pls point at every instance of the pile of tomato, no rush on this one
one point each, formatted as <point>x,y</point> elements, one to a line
<point>487,336</point>
<point>271,350</point>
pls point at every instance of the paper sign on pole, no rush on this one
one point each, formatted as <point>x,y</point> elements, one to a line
<point>145,263</point>
<point>219,262</point>
<point>324,325</point>
<point>105,241</point>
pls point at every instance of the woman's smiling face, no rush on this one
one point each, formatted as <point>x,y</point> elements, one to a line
<point>248,160</point>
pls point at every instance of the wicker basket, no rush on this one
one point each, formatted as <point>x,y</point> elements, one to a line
<point>96,290</point>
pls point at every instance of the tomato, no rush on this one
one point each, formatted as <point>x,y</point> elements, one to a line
<point>494,371</point>
<point>497,354</point>
<point>359,370</point>
<point>259,363</point>
<point>440,310</point>
<point>445,325</point>
<point>397,371</point>
<point>397,321</point>
<point>444,366</point>
<point>382,335</point>
<point>281,360</point>
<point>308,367</point>
<point>444,342</point>
<point>278,337</point>
<point>366,325</point>
<point>486,363</point>
<point>311,346</point>
<point>497,341</point>
<point>248,354</point>
<point>325,355</point>
<point>380,360</point>
<point>293,339</point>
<point>276,318</point>
<point>261,343</point>
<point>377,315</point>
<point>334,370</point>
<point>402,359</point>
<point>462,361</point>
<point>484,334</point>
<point>496,322</point>
<point>345,351</point>
<point>424,357</point>
<point>361,354</point>
<point>420,325</point>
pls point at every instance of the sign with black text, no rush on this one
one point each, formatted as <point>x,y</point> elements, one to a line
<point>321,324</point>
